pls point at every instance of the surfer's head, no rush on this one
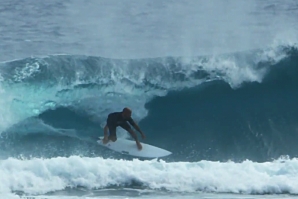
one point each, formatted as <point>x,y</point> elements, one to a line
<point>126,112</point>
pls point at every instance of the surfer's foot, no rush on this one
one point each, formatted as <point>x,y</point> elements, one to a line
<point>105,140</point>
<point>139,146</point>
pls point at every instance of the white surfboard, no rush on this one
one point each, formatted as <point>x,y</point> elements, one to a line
<point>129,147</point>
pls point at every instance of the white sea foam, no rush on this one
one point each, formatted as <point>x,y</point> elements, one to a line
<point>39,176</point>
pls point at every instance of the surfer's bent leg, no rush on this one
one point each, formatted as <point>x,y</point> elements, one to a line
<point>112,135</point>
<point>106,133</point>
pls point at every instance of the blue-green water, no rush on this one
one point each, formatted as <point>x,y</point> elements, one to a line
<point>227,112</point>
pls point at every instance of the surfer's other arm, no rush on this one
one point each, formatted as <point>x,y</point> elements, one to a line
<point>139,130</point>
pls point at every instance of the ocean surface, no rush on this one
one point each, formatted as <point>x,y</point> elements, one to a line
<point>214,82</point>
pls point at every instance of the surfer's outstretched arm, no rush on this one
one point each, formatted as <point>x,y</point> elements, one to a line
<point>139,130</point>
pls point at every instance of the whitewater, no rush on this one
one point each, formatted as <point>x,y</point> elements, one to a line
<point>213,82</point>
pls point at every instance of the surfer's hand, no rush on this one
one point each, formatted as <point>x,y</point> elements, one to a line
<point>139,146</point>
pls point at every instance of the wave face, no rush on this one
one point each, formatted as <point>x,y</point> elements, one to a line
<point>219,115</point>
<point>258,121</point>
<point>234,106</point>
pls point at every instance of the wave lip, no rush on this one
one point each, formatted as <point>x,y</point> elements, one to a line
<point>40,176</point>
<point>33,85</point>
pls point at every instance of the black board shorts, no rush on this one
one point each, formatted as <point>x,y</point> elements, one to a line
<point>112,128</point>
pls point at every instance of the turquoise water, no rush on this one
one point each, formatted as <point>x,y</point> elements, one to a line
<point>214,83</point>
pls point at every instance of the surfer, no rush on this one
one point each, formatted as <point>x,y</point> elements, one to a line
<point>120,119</point>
